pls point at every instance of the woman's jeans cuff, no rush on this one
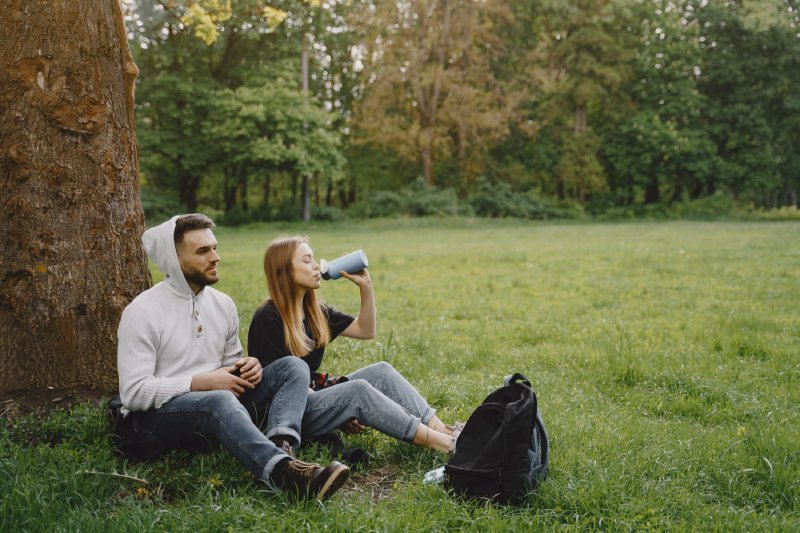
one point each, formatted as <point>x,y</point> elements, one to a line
<point>411,430</point>
<point>284,432</point>
<point>426,417</point>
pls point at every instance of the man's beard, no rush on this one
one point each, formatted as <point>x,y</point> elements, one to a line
<point>199,278</point>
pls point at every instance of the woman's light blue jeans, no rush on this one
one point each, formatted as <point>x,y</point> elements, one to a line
<point>275,404</point>
<point>377,395</point>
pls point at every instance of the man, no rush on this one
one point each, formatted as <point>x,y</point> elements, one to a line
<point>182,372</point>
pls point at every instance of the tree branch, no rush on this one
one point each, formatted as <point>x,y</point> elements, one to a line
<point>114,474</point>
<point>168,8</point>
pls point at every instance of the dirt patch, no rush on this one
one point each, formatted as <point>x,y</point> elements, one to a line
<point>42,401</point>
<point>376,484</point>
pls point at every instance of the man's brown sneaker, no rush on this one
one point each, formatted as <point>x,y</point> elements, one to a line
<point>310,480</point>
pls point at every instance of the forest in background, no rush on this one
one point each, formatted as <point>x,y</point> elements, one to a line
<point>531,108</point>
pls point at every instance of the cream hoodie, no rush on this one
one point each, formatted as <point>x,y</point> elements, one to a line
<point>168,334</point>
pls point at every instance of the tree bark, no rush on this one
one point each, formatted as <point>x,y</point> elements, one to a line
<point>304,53</point>
<point>428,63</point>
<point>426,153</point>
<point>69,193</point>
<point>267,190</point>
<point>187,193</point>
<point>581,120</point>
<point>652,191</point>
<point>228,191</point>
<point>306,198</point>
<point>244,193</point>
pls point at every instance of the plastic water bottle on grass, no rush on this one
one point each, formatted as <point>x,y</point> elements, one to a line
<point>435,476</point>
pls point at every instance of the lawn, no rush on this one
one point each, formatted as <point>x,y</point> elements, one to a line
<point>664,355</point>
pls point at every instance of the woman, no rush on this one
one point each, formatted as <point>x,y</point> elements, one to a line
<point>293,322</point>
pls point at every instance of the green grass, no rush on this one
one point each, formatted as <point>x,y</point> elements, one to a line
<point>664,355</point>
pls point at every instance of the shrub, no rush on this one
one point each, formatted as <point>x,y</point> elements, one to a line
<point>567,209</point>
<point>380,204</point>
<point>327,213</point>
<point>715,205</point>
<point>159,205</point>
<point>491,200</point>
<point>788,212</point>
<point>499,200</point>
<point>431,202</point>
<point>288,211</point>
<point>416,199</point>
<point>262,213</point>
<point>656,211</point>
<point>617,213</point>
<point>236,217</point>
<point>285,211</point>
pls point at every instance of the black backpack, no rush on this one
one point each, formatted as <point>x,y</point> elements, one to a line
<point>503,451</point>
<point>127,441</point>
<point>134,444</point>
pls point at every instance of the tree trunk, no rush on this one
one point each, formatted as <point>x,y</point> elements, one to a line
<point>789,196</point>
<point>560,189</point>
<point>426,154</point>
<point>228,192</point>
<point>306,177</point>
<point>677,194</point>
<point>329,193</point>
<point>244,193</point>
<point>188,191</point>
<point>652,191</point>
<point>69,193</point>
<point>294,187</point>
<point>581,121</point>
<point>267,190</point>
<point>306,198</point>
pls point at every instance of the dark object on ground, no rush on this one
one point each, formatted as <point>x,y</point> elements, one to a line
<point>335,446</point>
<point>136,445</point>
<point>503,451</point>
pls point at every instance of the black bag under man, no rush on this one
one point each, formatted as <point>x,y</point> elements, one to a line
<point>503,451</point>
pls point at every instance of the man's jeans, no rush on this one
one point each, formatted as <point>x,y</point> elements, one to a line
<point>377,395</point>
<point>279,400</point>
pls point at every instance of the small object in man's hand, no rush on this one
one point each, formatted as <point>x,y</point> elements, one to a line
<point>237,372</point>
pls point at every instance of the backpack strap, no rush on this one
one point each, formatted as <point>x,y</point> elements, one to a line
<point>516,378</point>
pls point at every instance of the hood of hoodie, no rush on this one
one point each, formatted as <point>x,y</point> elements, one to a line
<point>159,243</point>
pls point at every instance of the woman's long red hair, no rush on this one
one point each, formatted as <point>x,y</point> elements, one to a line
<point>284,292</point>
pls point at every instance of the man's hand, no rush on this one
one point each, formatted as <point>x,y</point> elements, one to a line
<point>250,369</point>
<point>353,426</point>
<point>221,379</point>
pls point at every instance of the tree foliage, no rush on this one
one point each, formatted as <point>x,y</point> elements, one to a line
<point>606,103</point>
<point>662,144</point>
<point>432,92</point>
<point>751,63</point>
<point>219,115</point>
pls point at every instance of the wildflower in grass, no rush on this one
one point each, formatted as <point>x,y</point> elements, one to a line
<point>215,481</point>
<point>741,431</point>
<point>142,493</point>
